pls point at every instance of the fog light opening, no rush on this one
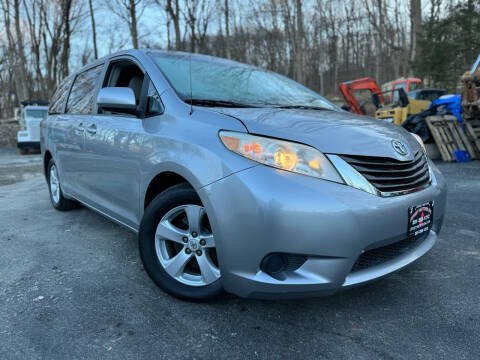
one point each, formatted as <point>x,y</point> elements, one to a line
<point>273,264</point>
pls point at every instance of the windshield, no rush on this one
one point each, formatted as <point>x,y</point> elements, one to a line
<point>36,114</point>
<point>227,81</point>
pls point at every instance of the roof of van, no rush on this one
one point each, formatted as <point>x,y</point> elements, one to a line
<point>137,52</point>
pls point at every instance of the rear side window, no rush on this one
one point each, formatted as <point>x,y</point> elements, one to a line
<point>58,98</point>
<point>80,100</point>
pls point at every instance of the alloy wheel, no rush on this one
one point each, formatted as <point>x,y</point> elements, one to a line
<point>54,184</point>
<point>185,246</point>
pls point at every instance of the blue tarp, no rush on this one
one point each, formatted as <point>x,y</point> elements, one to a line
<point>452,103</point>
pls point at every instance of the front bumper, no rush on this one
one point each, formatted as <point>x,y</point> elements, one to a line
<point>261,210</point>
<point>28,145</point>
<point>26,141</point>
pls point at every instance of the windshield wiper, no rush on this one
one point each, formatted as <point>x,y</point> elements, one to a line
<point>217,103</point>
<point>306,107</point>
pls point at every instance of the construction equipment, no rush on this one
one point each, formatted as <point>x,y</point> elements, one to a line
<point>347,88</point>
<point>394,111</point>
<point>426,94</point>
<point>408,84</point>
<point>401,106</point>
<point>471,91</point>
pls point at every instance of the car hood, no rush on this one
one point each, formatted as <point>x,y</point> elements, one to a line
<point>333,132</point>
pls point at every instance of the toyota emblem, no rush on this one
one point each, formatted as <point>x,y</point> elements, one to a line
<point>400,147</point>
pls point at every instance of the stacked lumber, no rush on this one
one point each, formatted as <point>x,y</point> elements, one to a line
<point>449,137</point>
<point>472,128</point>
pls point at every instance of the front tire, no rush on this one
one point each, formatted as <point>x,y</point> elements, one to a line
<point>59,201</point>
<point>177,246</point>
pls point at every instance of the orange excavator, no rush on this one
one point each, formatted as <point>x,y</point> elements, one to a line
<point>347,88</point>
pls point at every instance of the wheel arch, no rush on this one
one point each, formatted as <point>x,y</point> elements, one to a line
<point>46,159</point>
<point>163,178</point>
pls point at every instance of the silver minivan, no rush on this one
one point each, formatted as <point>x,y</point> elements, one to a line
<point>237,178</point>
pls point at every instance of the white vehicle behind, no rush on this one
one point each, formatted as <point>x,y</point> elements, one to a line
<point>30,116</point>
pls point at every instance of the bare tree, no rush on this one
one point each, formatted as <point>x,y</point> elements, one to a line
<point>94,30</point>
<point>198,15</point>
<point>415,27</point>
<point>172,8</point>
<point>16,53</point>
<point>66,8</point>
<point>130,11</point>
<point>317,42</point>
<point>226,11</point>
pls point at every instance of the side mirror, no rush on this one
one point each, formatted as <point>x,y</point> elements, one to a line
<point>118,99</point>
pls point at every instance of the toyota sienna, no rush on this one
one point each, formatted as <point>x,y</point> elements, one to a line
<point>237,178</point>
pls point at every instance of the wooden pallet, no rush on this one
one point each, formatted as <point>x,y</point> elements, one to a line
<point>449,136</point>
<point>472,128</point>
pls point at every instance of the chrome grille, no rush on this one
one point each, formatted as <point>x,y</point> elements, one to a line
<point>391,175</point>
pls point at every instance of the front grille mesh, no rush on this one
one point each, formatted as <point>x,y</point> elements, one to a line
<point>383,254</point>
<point>293,262</point>
<point>391,175</point>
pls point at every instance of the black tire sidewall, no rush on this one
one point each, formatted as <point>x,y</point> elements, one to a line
<point>177,195</point>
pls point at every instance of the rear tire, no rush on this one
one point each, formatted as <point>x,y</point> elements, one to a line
<point>177,245</point>
<point>59,201</point>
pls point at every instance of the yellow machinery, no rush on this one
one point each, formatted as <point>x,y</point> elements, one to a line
<point>402,105</point>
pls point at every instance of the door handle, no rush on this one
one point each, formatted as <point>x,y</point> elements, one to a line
<point>92,129</point>
<point>79,128</point>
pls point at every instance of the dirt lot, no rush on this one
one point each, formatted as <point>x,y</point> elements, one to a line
<point>72,286</point>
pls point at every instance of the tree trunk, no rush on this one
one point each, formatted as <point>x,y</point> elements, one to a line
<point>66,10</point>
<point>21,61</point>
<point>94,30</point>
<point>133,23</point>
<point>299,65</point>
<point>227,30</point>
<point>415,27</point>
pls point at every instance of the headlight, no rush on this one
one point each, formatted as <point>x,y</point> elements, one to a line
<point>420,141</point>
<point>281,154</point>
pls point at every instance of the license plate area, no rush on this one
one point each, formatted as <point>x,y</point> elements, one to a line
<point>420,219</point>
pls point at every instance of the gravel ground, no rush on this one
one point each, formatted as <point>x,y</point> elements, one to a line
<point>72,286</point>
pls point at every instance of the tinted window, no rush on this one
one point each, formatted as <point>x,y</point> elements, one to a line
<point>414,85</point>
<point>80,100</point>
<point>432,95</point>
<point>413,95</point>
<point>396,97</point>
<point>154,103</point>
<point>58,97</point>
